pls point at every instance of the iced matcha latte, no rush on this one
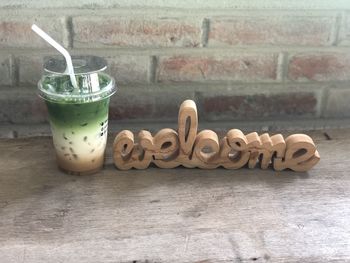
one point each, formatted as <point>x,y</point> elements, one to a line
<point>78,118</point>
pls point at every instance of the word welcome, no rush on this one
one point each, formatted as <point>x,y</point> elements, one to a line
<point>187,147</point>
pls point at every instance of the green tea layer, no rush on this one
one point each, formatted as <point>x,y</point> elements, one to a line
<point>77,115</point>
<point>79,133</point>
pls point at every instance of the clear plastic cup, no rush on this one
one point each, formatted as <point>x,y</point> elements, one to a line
<point>78,117</point>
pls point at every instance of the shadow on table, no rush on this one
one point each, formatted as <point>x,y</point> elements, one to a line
<point>202,178</point>
<point>42,179</point>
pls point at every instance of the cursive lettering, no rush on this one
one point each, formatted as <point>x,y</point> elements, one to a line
<point>186,147</point>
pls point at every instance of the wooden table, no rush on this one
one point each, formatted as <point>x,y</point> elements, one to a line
<point>178,215</point>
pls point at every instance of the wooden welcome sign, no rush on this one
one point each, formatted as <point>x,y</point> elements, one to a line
<point>169,149</point>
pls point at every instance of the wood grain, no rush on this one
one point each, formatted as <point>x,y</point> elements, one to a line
<point>170,149</point>
<point>173,215</point>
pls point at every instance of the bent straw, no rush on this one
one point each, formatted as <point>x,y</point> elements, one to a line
<point>69,70</point>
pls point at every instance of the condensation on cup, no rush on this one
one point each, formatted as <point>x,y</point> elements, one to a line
<point>78,117</point>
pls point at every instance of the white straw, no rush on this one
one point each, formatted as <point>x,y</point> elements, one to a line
<point>62,50</point>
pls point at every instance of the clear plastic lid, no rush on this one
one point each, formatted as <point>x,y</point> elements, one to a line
<point>93,83</point>
<point>81,64</point>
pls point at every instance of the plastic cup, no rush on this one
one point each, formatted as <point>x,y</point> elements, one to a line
<point>78,117</point>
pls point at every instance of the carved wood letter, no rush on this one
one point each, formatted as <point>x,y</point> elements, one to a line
<point>169,149</point>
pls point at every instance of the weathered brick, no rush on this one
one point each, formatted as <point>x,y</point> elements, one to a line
<point>272,30</point>
<point>16,31</point>
<point>139,32</point>
<point>168,101</point>
<point>236,67</point>
<point>124,68</point>
<point>153,104</point>
<point>319,67</point>
<point>182,5</point>
<point>30,68</point>
<point>16,107</point>
<point>5,70</point>
<point>337,104</point>
<point>128,69</point>
<point>129,104</point>
<point>258,106</point>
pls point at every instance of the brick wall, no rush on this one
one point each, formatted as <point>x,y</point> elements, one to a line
<point>237,61</point>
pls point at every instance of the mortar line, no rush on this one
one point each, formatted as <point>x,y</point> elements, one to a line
<point>220,86</point>
<point>13,70</point>
<point>67,33</point>
<point>335,35</point>
<point>281,67</point>
<point>152,69</point>
<point>166,11</point>
<point>205,32</point>
<point>22,130</point>
<point>14,64</point>
<point>184,50</point>
<point>323,102</point>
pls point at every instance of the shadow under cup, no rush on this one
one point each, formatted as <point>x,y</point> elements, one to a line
<point>78,116</point>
